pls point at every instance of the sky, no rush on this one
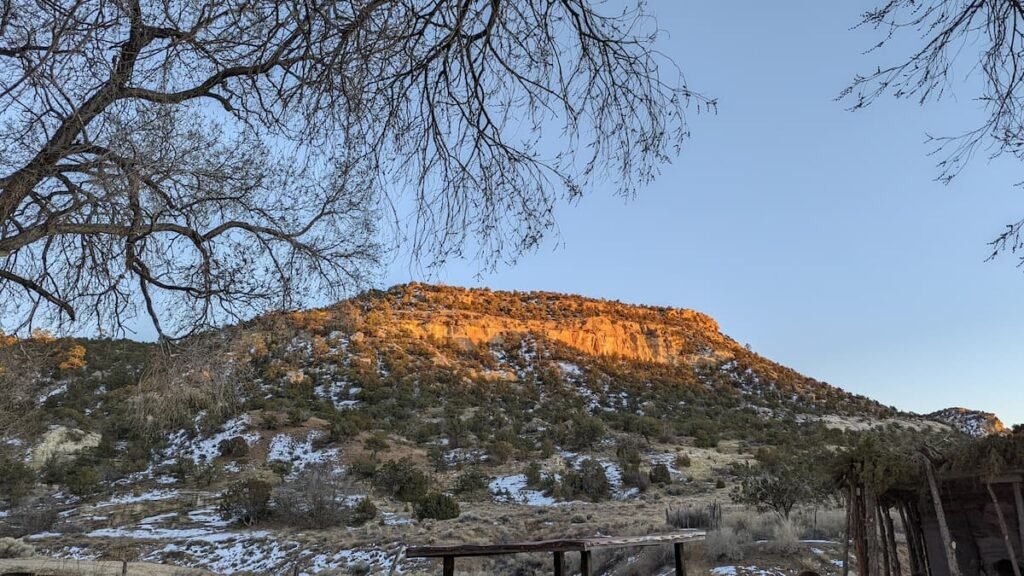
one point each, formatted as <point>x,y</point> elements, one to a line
<point>816,235</point>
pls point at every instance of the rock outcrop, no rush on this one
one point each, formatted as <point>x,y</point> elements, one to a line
<point>971,422</point>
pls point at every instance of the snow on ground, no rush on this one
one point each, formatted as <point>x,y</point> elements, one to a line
<point>182,444</point>
<point>570,369</point>
<point>150,496</point>
<point>465,456</point>
<point>44,535</point>
<point>746,571</point>
<point>75,553</point>
<point>55,392</point>
<point>229,553</point>
<point>393,519</point>
<point>341,394</point>
<point>284,448</point>
<point>669,460</point>
<point>512,489</point>
<point>349,558</point>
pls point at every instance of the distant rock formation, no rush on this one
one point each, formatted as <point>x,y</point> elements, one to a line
<point>974,423</point>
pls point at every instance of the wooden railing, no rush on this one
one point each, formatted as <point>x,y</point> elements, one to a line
<point>558,549</point>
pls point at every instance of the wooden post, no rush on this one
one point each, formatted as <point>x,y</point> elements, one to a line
<point>890,528</point>
<point>124,568</point>
<point>449,566</point>
<point>940,513</point>
<point>559,563</point>
<point>922,544</point>
<point>873,566</point>
<point>1019,499</point>
<point>912,541</point>
<point>848,535</point>
<point>1004,529</point>
<point>680,551</point>
<point>884,530</point>
<point>585,568</point>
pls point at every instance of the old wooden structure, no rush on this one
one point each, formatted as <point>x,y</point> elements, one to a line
<point>558,550</point>
<point>954,521</point>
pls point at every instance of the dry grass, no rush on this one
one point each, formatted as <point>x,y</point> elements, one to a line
<point>57,567</point>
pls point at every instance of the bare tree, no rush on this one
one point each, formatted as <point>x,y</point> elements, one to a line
<point>980,40</point>
<point>201,160</point>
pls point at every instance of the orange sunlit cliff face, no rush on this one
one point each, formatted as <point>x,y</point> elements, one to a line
<point>675,345</point>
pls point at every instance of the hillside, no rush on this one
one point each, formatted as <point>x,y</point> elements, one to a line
<point>974,423</point>
<point>528,409</point>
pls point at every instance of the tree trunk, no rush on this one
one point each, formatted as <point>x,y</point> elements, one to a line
<point>940,513</point>
<point>1004,529</point>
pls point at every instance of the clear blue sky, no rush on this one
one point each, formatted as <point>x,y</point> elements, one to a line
<point>816,235</point>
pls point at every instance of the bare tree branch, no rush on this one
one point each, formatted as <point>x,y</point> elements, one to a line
<point>198,161</point>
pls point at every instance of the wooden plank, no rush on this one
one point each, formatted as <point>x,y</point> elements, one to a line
<point>449,566</point>
<point>1018,498</point>
<point>585,563</point>
<point>680,554</point>
<point>1004,530</point>
<point>847,535</point>
<point>559,563</point>
<point>940,513</point>
<point>564,545</point>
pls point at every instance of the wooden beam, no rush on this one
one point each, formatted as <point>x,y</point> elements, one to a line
<point>848,535</point>
<point>940,513</point>
<point>559,563</point>
<point>449,566</point>
<point>890,529</point>
<point>547,546</point>
<point>680,553</point>
<point>1003,528</point>
<point>585,567</point>
<point>1018,498</point>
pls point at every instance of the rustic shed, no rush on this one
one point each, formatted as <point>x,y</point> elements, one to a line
<point>927,513</point>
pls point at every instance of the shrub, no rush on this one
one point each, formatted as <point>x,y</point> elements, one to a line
<point>706,517</point>
<point>501,452</point>
<point>362,512</point>
<point>590,481</point>
<point>724,545</point>
<point>235,447</point>
<point>82,480</point>
<point>472,481</point>
<point>437,506</point>
<point>585,431</point>
<point>11,548</point>
<point>401,479</point>
<point>183,469</point>
<point>683,461</point>
<point>719,484</point>
<point>16,480</point>
<point>280,468</point>
<point>248,501</point>
<point>660,475</point>
<point>364,466</point>
<point>705,439</point>
<point>314,499</point>
<point>376,444</point>
<point>785,539</point>
<point>31,518</point>
<point>533,476</point>
<point>635,478</point>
